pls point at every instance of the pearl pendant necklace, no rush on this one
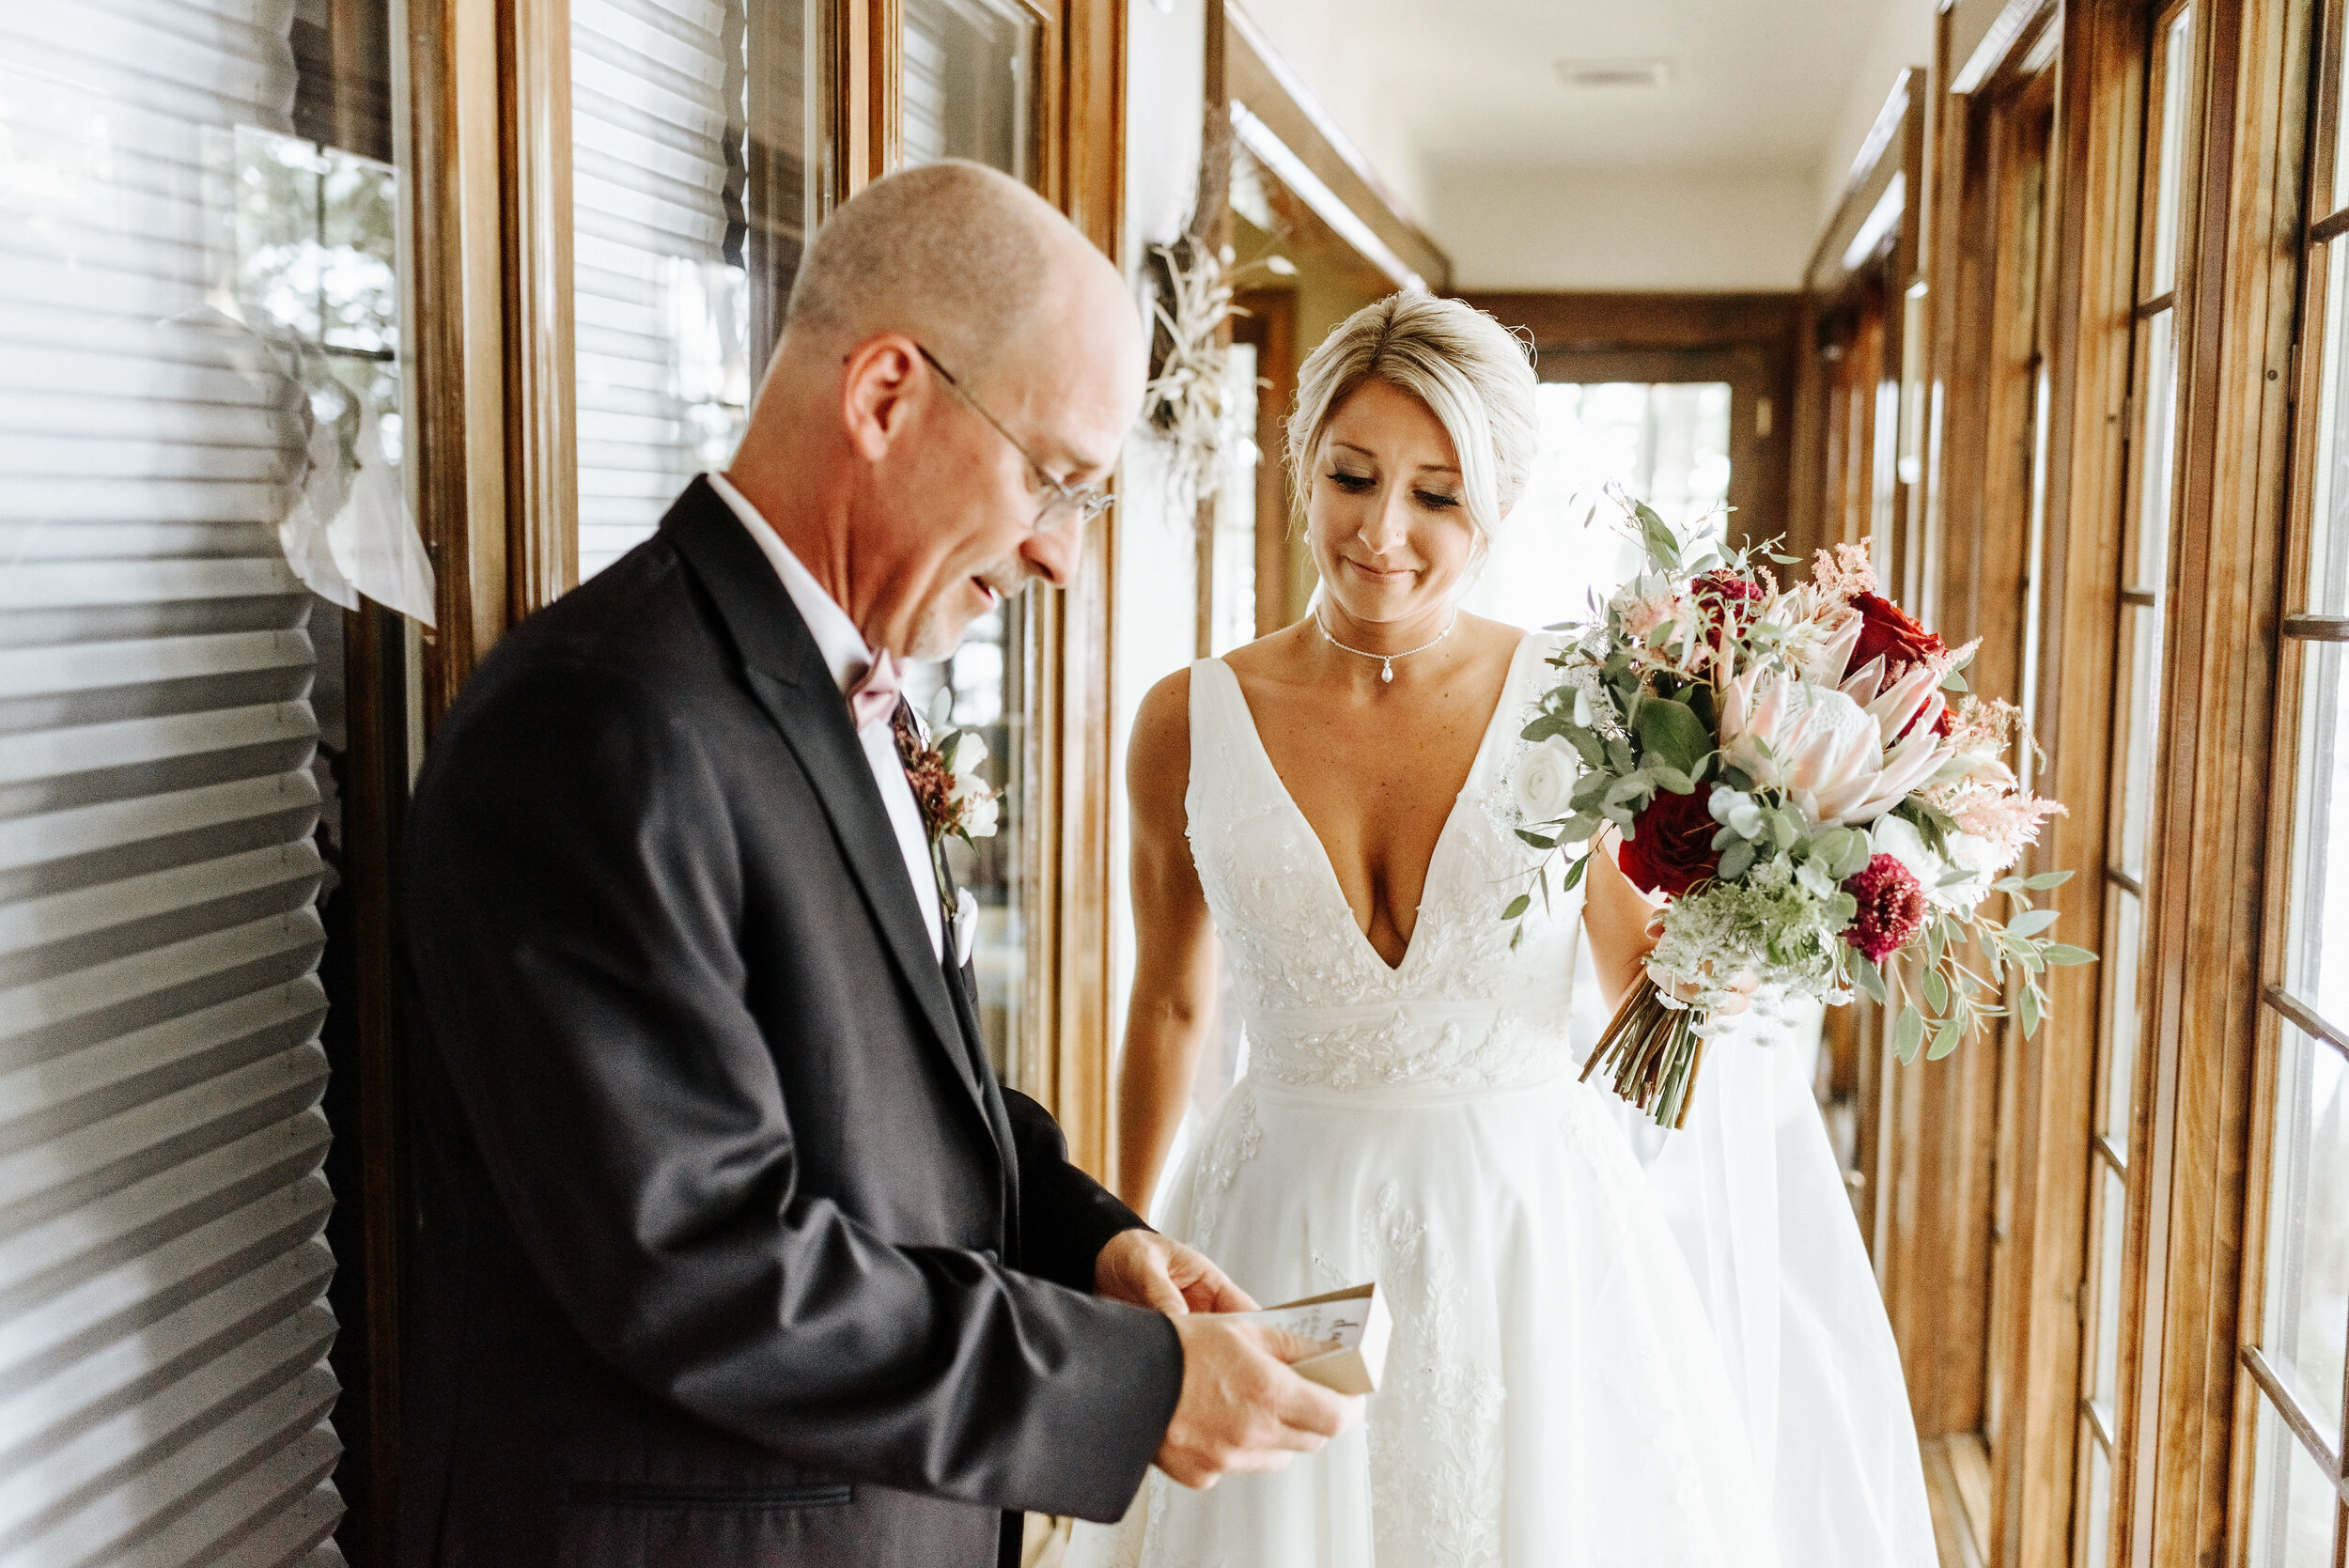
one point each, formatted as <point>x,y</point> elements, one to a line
<point>1386,660</point>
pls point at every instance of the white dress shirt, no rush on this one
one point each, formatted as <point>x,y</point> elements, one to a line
<point>847,656</point>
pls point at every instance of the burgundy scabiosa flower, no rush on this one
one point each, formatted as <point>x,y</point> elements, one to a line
<point>1732,599</point>
<point>1891,907</point>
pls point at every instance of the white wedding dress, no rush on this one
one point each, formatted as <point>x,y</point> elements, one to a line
<point>1554,1396</point>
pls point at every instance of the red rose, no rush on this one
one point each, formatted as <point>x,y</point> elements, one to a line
<point>1885,631</point>
<point>1669,848</point>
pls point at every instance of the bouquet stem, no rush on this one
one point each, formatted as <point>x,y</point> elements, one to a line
<point>1652,1053</point>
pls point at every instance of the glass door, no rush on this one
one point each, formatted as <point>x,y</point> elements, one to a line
<point>700,163</point>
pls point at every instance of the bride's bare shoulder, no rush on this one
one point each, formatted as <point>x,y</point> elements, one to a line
<point>1273,657</point>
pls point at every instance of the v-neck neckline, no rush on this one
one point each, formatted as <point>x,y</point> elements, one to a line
<point>1444,835</point>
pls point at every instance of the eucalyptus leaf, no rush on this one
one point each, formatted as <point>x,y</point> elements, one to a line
<point>1736,861</point>
<point>2065,953</point>
<point>2046,879</point>
<point>1937,991</point>
<point>2028,1011</point>
<point>1909,1035</point>
<point>1944,1040</point>
<point>1536,840</point>
<point>1870,980</point>
<point>1672,777</point>
<point>1670,732</point>
<point>1518,905</point>
<point>1574,874</point>
<point>2031,922</point>
<point>1952,878</point>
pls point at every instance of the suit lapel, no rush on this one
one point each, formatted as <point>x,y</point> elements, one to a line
<point>787,676</point>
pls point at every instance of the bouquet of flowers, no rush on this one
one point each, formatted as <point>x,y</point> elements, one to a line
<point>1785,767</point>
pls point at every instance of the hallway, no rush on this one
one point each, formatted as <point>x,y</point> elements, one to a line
<point>338,337</point>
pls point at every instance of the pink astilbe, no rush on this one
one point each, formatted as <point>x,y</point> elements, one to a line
<point>1979,791</point>
<point>1641,617</point>
<point>1844,570</point>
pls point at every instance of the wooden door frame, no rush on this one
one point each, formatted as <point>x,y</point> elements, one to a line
<point>1749,340</point>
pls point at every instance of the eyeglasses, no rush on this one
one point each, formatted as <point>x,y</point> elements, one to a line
<point>1063,504</point>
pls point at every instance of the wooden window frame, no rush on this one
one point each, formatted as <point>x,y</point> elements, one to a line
<point>2326,43</point>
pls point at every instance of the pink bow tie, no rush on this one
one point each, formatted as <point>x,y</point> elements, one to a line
<point>874,697</point>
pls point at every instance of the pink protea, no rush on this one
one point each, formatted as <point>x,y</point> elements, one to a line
<point>1891,907</point>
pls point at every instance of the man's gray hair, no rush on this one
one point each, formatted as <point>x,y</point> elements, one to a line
<point>953,253</point>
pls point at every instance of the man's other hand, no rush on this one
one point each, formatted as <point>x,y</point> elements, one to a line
<point>1143,1268</point>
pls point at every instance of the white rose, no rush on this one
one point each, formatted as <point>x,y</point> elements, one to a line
<point>1898,837</point>
<point>1971,853</point>
<point>980,814</point>
<point>970,750</point>
<point>1542,781</point>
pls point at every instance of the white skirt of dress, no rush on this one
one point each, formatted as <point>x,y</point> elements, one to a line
<point>1753,1194</point>
<point>1553,1395</point>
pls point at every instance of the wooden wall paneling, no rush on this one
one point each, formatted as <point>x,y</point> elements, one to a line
<point>1270,323</point>
<point>455,308</point>
<point>2099,119</point>
<point>541,425</point>
<point>1084,118</point>
<point>2225,594</point>
<point>883,94</point>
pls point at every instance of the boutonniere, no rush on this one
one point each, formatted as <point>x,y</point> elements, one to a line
<point>956,802</point>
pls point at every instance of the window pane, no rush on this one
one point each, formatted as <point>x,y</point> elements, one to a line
<point>965,93</point>
<point>2141,643</point>
<point>2094,1523</point>
<point>2317,960</point>
<point>694,182</point>
<point>1231,600</point>
<point>2177,74</point>
<point>1665,442</point>
<point>2147,564</point>
<point>2296,1510</point>
<point>2121,950</point>
<point>2307,1228</point>
<point>2327,591</point>
<point>2112,1218</point>
<point>969,69</point>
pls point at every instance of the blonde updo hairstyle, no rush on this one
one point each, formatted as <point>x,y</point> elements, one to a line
<point>1472,372</point>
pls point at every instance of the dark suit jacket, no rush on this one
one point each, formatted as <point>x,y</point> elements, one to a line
<point>731,1249</point>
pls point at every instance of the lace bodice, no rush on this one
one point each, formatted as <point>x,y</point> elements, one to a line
<point>1464,1011</point>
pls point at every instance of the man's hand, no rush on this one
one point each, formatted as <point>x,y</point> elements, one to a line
<point>1143,1268</point>
<point>1241,1407</point>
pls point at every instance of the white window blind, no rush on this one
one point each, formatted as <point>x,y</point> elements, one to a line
<point>164,1388</point>
<point>657,108</point>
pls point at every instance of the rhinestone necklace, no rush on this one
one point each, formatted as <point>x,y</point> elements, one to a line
<point>1386,660</point>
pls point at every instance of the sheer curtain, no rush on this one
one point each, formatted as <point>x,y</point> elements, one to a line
<point>164,1388</point>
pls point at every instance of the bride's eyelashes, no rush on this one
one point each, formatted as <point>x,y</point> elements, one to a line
<point>1363,484</point>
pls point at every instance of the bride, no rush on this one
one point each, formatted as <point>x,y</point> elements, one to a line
<point>1331,802</point>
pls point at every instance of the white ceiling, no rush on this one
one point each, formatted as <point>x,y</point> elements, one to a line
<point>1757,86</point>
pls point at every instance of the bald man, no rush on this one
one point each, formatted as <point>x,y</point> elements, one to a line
<point>731,1249</point>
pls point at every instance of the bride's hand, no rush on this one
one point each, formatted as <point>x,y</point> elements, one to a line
<point>1741,989</point>
<point>1142,1269</point>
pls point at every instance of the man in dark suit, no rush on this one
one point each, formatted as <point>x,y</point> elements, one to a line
<point>731,1249</point>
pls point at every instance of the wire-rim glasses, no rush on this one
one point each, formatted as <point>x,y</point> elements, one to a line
<point>1063,502</point>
